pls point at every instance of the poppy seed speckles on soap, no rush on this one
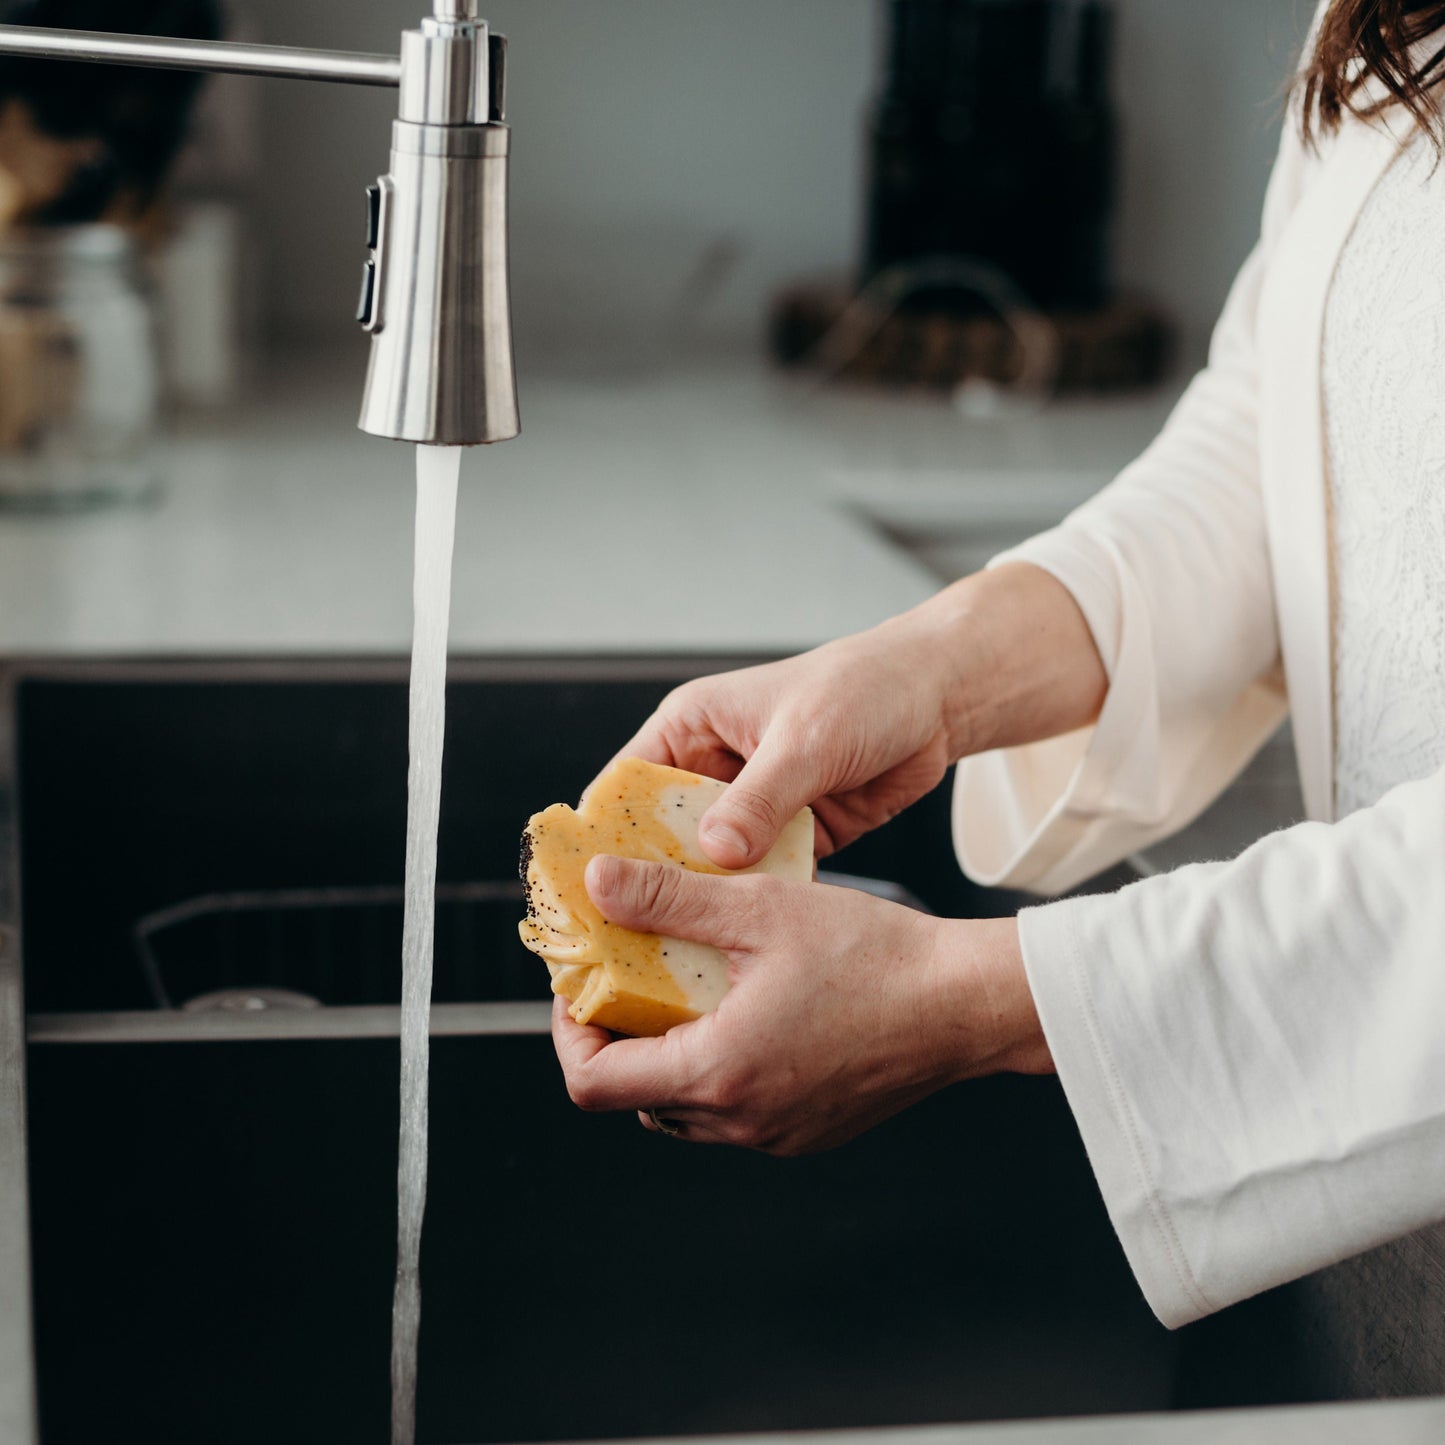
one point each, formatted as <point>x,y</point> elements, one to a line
<point>655,983</point>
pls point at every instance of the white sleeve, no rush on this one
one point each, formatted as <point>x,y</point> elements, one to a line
<point>1170,566</point>
<point>1254,1050</point>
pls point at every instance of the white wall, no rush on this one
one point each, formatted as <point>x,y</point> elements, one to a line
<point>647,130</point>
<point>1200,86</point>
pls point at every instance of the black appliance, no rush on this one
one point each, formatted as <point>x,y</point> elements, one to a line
<point>993,139</point>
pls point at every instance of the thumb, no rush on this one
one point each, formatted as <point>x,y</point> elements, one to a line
<point>663,898</point>
<point>773,786</point>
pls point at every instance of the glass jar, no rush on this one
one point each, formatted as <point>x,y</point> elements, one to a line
<point>78,372</point>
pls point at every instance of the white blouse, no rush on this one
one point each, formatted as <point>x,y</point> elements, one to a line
<point>1253,1049</point>
<point>1385,438</point>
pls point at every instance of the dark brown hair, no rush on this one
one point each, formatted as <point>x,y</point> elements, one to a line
<point>1361,40</point>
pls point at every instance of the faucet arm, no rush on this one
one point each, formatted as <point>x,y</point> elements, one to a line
<point>434,288</point>
<point>210,55</point>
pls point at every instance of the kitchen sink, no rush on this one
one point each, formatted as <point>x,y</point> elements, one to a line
<point>211,1222</point>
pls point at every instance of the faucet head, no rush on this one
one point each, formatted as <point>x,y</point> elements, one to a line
<point>435,290</point>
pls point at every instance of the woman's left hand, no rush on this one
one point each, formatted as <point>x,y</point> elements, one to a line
<point>843,1010</point>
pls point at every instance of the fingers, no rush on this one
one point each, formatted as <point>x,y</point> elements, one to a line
<point>662,898</point>
<point>690,1126</point>
<point>684,733</point>
<point>772,787</point>
<point>576,1044</point>
<point>603,1073</point>
<point>645,1075</point>
<point>704,754</point>
<point>650,744</point>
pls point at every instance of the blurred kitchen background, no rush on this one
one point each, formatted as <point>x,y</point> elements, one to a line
<point>677,162</point>
<point>693,174</point>
<point>681,160</point>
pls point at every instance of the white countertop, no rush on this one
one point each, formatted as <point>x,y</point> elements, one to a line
<point>712,507</point>
<point>1397,1422</point>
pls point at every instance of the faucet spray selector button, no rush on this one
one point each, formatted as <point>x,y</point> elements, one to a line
<point>370,307</point>
<point>366,302</point>
<point>373,216</point>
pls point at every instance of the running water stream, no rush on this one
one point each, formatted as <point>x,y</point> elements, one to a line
<point>437,471</point>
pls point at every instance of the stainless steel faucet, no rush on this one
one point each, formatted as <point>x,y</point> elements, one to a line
<point>434,293</point>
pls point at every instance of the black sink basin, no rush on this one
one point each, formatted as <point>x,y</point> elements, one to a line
<point>213,1220</point>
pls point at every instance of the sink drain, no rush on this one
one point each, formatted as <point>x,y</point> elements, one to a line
<point>249,1000</point>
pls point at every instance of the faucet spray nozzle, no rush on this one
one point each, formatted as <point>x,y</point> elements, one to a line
<point>435,289</point>
<point>435,297</point>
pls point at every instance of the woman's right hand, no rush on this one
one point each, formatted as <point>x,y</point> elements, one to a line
<point>861,728</point>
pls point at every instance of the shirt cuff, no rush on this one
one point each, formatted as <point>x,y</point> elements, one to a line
<point>1102,1110</point>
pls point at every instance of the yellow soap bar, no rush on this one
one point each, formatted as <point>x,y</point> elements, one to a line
<point>632,983</point>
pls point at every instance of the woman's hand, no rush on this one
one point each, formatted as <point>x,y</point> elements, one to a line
<point>863,727</point>
<point>855,729</point>
<point>843,1010</point>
